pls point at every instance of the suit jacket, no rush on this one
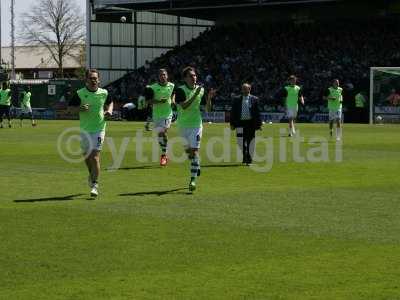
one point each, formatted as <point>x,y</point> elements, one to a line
<point>236,112</point>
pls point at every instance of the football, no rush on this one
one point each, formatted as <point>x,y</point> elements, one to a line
<point>123,19</point>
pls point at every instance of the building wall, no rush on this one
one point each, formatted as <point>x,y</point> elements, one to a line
<point>32,62</point>
<point>117,47</point>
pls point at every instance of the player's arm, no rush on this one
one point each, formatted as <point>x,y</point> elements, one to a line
<point>74,106</point>
<point>173,101</point>
<point>22,98</point>
<point>301,97</point>
<point>180,97</point>
<point>173,95</point>
<point>326,95</point>
<point>207,98</point>
<point>173,98</point>
<point>108,106</point>
<point>10,95</point>
<point>149,96</point>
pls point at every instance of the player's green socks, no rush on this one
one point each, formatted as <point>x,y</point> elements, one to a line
<point>194,167</point>
<point>163,141</point>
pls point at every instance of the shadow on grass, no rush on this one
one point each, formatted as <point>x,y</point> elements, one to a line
<point>157,193</point>
<point>148,167</point>
<point>61,198</point>
<point>222,166</point>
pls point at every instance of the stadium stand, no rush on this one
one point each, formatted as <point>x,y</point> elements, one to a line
<point>266,55</point>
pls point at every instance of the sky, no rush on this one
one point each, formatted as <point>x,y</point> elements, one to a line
<point>20,7</point>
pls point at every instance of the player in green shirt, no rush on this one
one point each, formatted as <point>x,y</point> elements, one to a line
<point>188,98</point>
<point>292,94</point>
<point>360,107</point>
<point>5,104</point>
<point>334,96</point>
<point>160,96</point>
<point>94,105</point>
<point>26,108</point>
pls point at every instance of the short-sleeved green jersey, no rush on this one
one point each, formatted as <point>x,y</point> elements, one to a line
<point>26,99</point>
<point>162,110</point>
<point>335,99</point>
<point>360,101</point>
<point>5,97</point>
<point>141,103</point>
<point>92,120</point>
<point>191,116</point>
<point>292,98</point>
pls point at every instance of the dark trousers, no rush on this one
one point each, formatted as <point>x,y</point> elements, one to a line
<point>149,113</point>
<point>245,134</point>
<point>5,110</point>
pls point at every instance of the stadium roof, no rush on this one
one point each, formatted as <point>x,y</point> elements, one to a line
<point>180,5</point>
<point>214,10</point>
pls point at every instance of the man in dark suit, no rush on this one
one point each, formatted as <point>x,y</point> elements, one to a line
<point>245,118</point>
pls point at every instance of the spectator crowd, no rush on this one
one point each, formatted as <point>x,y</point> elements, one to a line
<point>266,54</point>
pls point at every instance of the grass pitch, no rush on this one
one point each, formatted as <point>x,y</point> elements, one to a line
<point>313,230</point>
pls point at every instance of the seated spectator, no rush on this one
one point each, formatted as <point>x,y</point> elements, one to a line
<point>344,49</point>
<point>394,98</point>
